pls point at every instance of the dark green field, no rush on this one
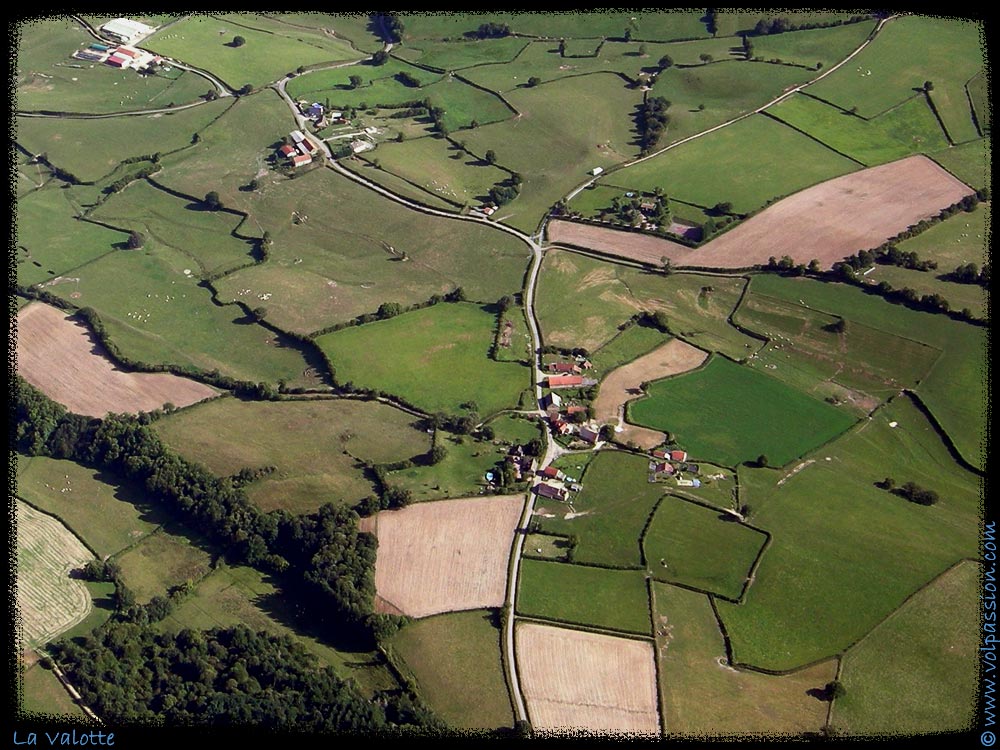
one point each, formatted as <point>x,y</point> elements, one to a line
<point>701,548</point>
<point>435,358</point>
<point>762,415</point>
<point>614,599</point>
<point>162,560</point>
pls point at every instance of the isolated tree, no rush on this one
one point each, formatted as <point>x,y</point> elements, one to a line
<point>245,89</point>
<point>259,313</point>
<point>505,302</point>
<point>834,689</point>
<point>212,201</point>
<point>928,86</point>
<point>705,57</point>
<point>723,207</point>
<point>355,81</point>
<point>438,453</point>
<point>642,50</point>
<point>211,95</point>
<point>253,184</point>
<point>534,81</point>
<point>380,57</point>
<point>667,265</point>
<point>135,241</point>
<point>490,157</point>
<point>239,41</point>
<point>762,460</point>
<point>665,62</point>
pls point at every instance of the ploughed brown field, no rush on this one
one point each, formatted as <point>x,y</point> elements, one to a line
<point>575,680</point>
<point>622,385</point>
<point>828,222</point>
<point>64,360</point>
<point>444,556</point>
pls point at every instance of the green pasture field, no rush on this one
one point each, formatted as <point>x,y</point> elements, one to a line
<point>520,349</point>
<point>42,693</point>
<point>439,167</point>
<point>582,301</point>
<point>30,176</point>
<point>614,507</point>
<point>207,238</point>
<point>435,358</point>
<point>650,25</point>
<point>315,445</point>
<point>811,46</point>
<point>702,699</point>
<point>614,599</point>
<point>461,102</point>
<point>50,79</point>
<point>155,313</point>
<point>463,645</point>
<point>953,390</point>
<point>457,55</point>
<point>565,128</point>
<point>162,560</point>
<point>761,414</point>
<point>396,184</point>
<point>909,129</point>
<point>515,430</point>
<point>546,546</point>
<point>270,52</point>
<point>51,242</point>
<point>702,548</point>
<point>354,28</point>
<point>822,363</point>
<point>845,553</point>
<point>738,174</point>
<point>957,240</point>
<point>917,671</point>
<point>229,596</point>
<point>745,20</point>
<point>628,345</point>
<point>105,513</point>
<point>335,82</point>
<point>332,265</point>
<point>91,149</point>
<point>969,162</point>
<point>949,55</point>
<point>230,152</point>
<point>978,88</point>
<point>582,47</point>
<point>461,473</point>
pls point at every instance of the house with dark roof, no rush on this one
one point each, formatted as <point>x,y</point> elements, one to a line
<point>589,435</point>
<point>550,491</point>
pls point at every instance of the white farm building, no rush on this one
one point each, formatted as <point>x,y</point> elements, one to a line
<point>125,30</point>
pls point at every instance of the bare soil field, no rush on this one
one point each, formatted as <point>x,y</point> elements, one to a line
<point>444,556</point>
<point>61,358</point>
<point>827,222</point>
<point>622,385</point>
<point>574,680</point>
<point>49,601</point>
<point>644,248</point>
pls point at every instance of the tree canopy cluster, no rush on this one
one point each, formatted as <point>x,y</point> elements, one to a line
<point>652,121</point>
<point>491,30</point>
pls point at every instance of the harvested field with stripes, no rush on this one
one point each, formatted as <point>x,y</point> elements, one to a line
<point>827,222</point>
<point>622,385</point>
<point>444,556</point>
<point>48,600</point>
<point>64,360</point>
<point>579,681</point>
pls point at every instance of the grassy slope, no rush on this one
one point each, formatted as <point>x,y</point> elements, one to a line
<point>738,174</point>
<point>434,358</point>
<point>916,672</point>
<point>160,561</point>
<point>845,553</point>
<point>456,660</point>
<point>44,694</point>
<point>108,517</point>
<point>333,266</point>
<point>953,390</point>
<point>305,440</point>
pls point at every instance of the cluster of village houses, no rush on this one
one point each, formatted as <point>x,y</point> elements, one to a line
<point>124,31</point>
<point>302,149</point>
